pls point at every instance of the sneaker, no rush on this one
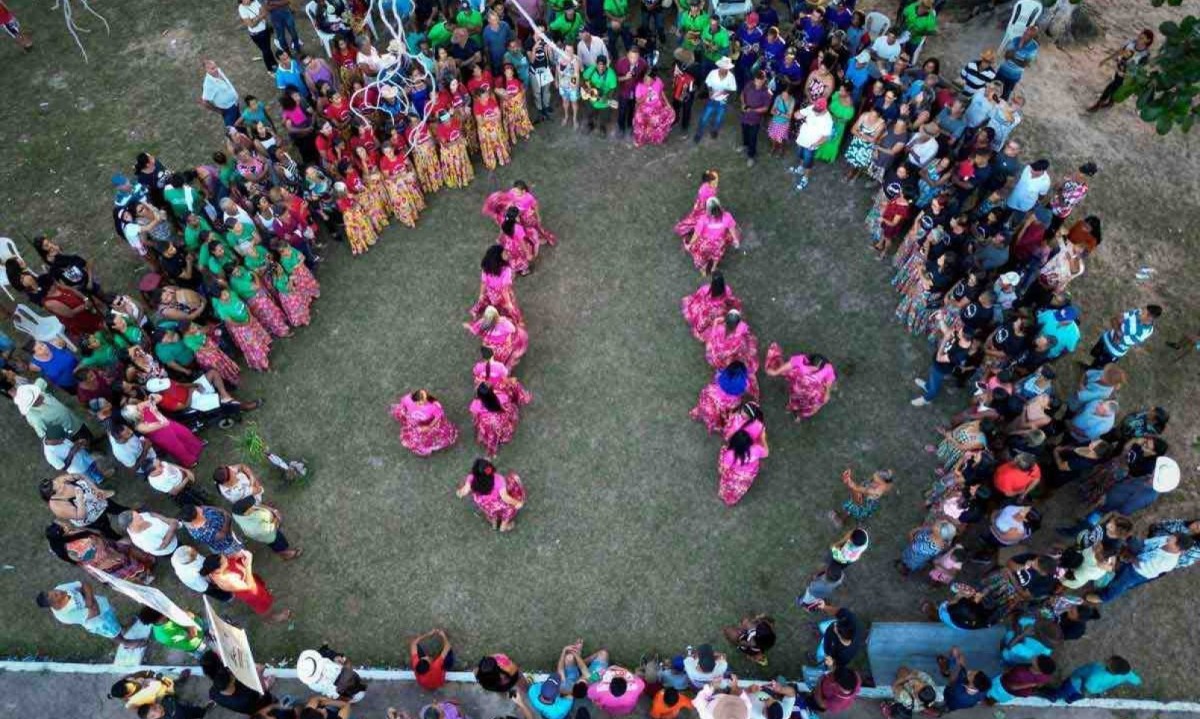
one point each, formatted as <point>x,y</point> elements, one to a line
<point>741,149</point>
<point>750,162</point>
<point>803,183</point>
<point>919,382</point>
<point>919,402</point>
<point>794,169</point>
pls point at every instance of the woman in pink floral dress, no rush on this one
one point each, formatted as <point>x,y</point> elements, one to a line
<point>720,399</point>
<point>741,457</point>
<point>424,427</point>
<point>709,304</point>
<point>653,118</point>
<point>497,204</point>
<point>497,496</point>
<point>729,340</point>
<point>708,190</point>
<point>521,249</point>
<point>495,374</point>
<point>495,416</point>
<point>714,232</point>
<point>810,380</point>
<point>508,340</point>
<point>496,286</point>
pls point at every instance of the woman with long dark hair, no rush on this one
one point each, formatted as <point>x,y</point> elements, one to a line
<point>496,286</point>
<point>709,304</point>
<point>495,417</point>
<point>740,460</point>
<point>520,196</point>
<point>518,246</point>
<point>497,496</point>
<point>810,380</point>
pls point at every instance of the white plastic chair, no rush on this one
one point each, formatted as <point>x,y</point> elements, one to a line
<point>1025,13</point>
<point>729,10</point>
<point>310,10</point>
<point>877,24</point>
<point>42,329</point>
<point>8,249</point>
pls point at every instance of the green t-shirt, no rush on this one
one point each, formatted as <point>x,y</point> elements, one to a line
<point>231,310</point>
<point>229,174</point>
<point>557,5</point>
<point>257,259</point>
<point>182,200</point>
<point>439,35</point>
<point>616,8</point>
<point>605,85</point>
<point>472,20</point>
<point>177,352</point>
<point>102,357</point>
<point>715,44</point>
<point>191,235</point>
<point>919,25</point>
<point>214,265</point>
<point>173,636</point>
<point>568,28</point>
<point>690,24</point>
<point>130,337</point>
<point>241,282</point>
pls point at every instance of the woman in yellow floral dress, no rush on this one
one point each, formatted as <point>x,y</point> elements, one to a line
<point>403,191</point>
<point>456,164</point>
<point>460,103</point>
<point>493,143</point>
<point>360,232</point>
<point>425,161</point>
<point>374,196</point>
<point>512,101</point>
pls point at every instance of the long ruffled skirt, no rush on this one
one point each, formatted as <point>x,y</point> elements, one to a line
<point>268,313</point>
<point>493,143</point>
<point>493,429</point>
<point>735,479</point>
<point>456,164</point>
<point>427,166</point>
<point>253,341</point>
<point>360,231</point>
<point>404,198</point>
<point>516,117</point>
<point>424,439</point>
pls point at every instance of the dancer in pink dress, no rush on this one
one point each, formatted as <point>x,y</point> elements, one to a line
<point>520,248</point>
<point>741,457</point>
<point>720,399</point>
<point>496,416</point>
<point>508,340</point>
<point>729,340</point>
<point>714,232</point>
<point>424,426</point>
<point>496,286</point>
<point>810,380</point>
<point>526,203</point>
<point>496,374</point>
<point>497,496</point>
<point>166,434</point>
<point>708,304</point>
<point>653,118</point>
<point>707,191</point>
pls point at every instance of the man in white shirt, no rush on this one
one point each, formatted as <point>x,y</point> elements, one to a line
<point>1032,184</point>
<point>885,50</point>
<point>816,126</point>
<point>253,15</point>
<point>1158,555</point>
<point>219,94</point>
<point>70,457</point>
<point>152,533</point>
<point>923,148</point>
<point>704,665</point>
<point>590,47</point>
<point>721,86</point>
<point>187,563</point>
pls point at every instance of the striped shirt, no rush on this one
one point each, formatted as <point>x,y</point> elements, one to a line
<point>975,78</point>
<point>1132,333</point>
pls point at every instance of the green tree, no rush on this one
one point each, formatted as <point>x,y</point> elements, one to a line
<point>1167,87</point>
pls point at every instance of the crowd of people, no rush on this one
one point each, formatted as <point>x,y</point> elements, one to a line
<point>984,242</point>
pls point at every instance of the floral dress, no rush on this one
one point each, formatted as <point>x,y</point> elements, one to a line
<point>781,119</point>
<point>808,385</point>
<point>403,190</point>
<point>360,231</point>
<point>426,163</point>
<point>862,149</point>
<point>493,142</point>
<point>700,309</point>
<point>456,163</point>
<point>516,116</point>
<point>654,116</point>
<point>247,333</point>
<point>424,426</point>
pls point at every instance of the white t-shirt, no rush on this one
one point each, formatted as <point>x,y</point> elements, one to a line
<point>698,678</point>
<point>720,88</point>
<point>189,572</point>
<point>1028,189</point>
<point>168,479</point>
<point>127,453</point>
<point>815,128</point>
<point>56,455</point>
<point>150,539</point>
<point>240,490</point>
<point>219,91</point>
<point>251,11</point>
<point>920,153</point>
<point>589,53</point>
<point>133,235</point>
<point>884,51</point>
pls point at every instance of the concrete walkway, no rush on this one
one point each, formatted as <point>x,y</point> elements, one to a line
<point>84,696</point>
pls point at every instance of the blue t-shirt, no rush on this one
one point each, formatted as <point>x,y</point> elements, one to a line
<point>558,710</point>
<point>957,697</point>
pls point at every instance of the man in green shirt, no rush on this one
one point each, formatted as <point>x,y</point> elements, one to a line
<point>182,197</point>
<point>691,24</point>
<point>439,34</point>
<point>601,83</point>
<point>714,40</point>
<point>567,24</point>
<point>920,21</point>
<point>193,227</point>
<point>472,20</point>
<point>615,12</point>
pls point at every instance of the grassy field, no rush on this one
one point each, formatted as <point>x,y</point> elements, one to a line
<point>623,541</point>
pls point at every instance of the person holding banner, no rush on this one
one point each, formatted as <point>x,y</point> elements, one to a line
<point>234,573</point>
<point>76,603</point>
